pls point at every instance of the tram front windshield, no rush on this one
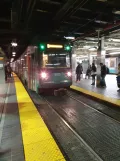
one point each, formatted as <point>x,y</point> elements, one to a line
<point>57,60</point>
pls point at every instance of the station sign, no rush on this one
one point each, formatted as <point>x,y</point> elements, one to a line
<point>54,46</point>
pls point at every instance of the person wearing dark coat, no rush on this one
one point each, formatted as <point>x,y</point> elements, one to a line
<point>93,73</point>
<point>79,70</point>
<point>103,74</point>
<point>6,72</point>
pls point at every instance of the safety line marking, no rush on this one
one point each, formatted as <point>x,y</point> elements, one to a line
<point>39,145</point>
<point>97,95</point>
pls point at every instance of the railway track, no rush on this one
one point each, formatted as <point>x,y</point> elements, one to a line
<point>105,127</point>
<point>69,94</point>
<point>96,156</point>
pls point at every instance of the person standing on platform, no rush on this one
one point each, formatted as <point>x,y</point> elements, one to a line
<point>118,78</point>
<point>6,72</point>
<point>119,69</point>
<point>88,72</point>
<point>79,70</point>
<point>9,71</point>
<point>93,73</point>
<point>103,75</point>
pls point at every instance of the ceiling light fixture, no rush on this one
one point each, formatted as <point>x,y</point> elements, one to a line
<point>92,49</point>
<point>102,22</point>
<point>13,53</point>
<point>14,44</point>
<point>114,53</point>
<point>69,38</point>
<point>116,12</point>
<point>115,40</point>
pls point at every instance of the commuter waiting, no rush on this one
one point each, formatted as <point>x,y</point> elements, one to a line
<point>8,71</point>
<point>118,78</point>
<point>93,73</point>
<point>79,70</point>
<point>103,75</point>
<point>88,72</point>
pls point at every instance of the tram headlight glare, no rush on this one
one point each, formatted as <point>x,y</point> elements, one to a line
<point>43,75</point>
<point>69,74</point>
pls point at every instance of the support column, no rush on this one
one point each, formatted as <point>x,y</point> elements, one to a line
<point>100,59</point>
<point>73,64</point>
<point>90,58</point>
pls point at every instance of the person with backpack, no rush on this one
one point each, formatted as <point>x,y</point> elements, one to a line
<point>93,73</point>
<point>103,75</point>
<point>79,70</point>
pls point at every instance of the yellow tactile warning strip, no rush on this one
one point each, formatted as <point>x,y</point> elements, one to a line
<point>39,145</point>
<point>97,95</point>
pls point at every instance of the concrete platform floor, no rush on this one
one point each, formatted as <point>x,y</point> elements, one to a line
<point>109,91</point>
<point>10,131</point>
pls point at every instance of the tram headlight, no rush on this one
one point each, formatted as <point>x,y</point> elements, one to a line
<point>44,75</point>
<point>69,74</point>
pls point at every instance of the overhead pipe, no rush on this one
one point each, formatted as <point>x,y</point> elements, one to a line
<point>30,14</point>
<point>64,9</point>
<point>103,30</point>
<point>70,3</point>
<point>82,3</point>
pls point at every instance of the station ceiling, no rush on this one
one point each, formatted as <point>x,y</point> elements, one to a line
<point>51,20</point>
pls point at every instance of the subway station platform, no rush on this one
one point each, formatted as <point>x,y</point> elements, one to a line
<point>23,134</point>
<point>58,129</point>
<point>108,94</point>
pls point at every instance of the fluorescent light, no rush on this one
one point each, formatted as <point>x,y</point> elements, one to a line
<point>14,53</point>
<point>86,47</point>
<point>69,38</point>
<point>92,49</point>
<point>115,40</point>
<point>117,12</point>
<point>108,48</point>
<point>99,21</point>
<point>54,46</point>
<point>14,44</point>
<point>114,53</point>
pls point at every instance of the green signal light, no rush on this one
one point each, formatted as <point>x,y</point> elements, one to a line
<point>67,48</point>
<point>42,47</point>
